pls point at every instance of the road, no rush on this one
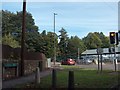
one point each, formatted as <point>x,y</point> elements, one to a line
<point>105,66</point>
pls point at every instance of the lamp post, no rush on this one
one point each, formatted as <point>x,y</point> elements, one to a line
<point>54,40</point>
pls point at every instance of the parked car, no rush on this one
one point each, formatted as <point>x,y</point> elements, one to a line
<point>68,62</point>
<point>84,61</point>
<point>88,61</point>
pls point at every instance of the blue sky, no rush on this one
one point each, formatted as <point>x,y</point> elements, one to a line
<point>77,18</point>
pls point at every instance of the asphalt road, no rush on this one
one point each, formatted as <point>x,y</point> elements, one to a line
<point>104,66</point>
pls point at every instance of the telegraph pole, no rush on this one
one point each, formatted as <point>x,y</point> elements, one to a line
<point>23,39</point>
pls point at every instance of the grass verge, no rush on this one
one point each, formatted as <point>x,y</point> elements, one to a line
<point>82,79</point>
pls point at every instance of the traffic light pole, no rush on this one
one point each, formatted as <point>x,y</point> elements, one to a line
<point>115,56</point>
<point>98,60</point>
<point>101,61</point>
<point>114,41</point>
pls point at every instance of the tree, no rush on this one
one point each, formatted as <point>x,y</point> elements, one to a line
<point>104,39</point>
<point>73,44</point>
<point>12,23</point>
<point>92,41</point>
<point>8,22</point>
<point>50,44</point>
<point>46,44</point>
<point>63,42</point>
<point>9,40</point>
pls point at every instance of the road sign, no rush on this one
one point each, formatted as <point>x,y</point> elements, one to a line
<point>99,51</point>
<point>10,65</point>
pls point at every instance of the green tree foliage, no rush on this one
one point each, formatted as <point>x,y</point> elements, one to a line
<point>33,41</point>
<point>92,41</point>
<point>9,40</point>
<point>63,42</point>
<point>96,39</point>
<point>72,48</point>
<point>8,22</point>
<point>50,44</point>
<point>105,40</point>
<point>12,23</point>
<point>45,43</point>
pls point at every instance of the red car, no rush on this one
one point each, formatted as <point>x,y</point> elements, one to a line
<point>68,62</point>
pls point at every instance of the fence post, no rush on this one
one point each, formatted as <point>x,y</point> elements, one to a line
<point>37,75</point>
<point>54,79</point>
<point>71,80</point>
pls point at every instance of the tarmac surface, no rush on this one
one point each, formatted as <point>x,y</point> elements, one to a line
<point>105,66</point>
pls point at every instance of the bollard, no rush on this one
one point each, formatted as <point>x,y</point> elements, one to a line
<point>71,80</point>
<point>54,79</point>
<point>37,76</point>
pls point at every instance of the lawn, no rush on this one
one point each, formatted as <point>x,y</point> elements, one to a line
<point>82,79</point>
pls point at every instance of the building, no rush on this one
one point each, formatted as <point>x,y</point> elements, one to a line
<point>104,51</point>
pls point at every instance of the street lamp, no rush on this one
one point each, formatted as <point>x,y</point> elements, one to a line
<point>54,40</point>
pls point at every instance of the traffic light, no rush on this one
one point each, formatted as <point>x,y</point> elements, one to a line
<point>112,37</point>
<point>119,35</point>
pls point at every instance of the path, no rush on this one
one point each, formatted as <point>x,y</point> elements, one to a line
<point>22,80</point>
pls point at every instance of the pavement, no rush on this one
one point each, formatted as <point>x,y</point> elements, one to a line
<point>25,79</point>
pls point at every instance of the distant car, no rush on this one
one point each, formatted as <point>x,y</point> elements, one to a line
<point>88,61</point>
<point>68,62</point>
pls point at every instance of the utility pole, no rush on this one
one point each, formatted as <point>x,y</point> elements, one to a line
<point>54,41</point>
<point>23,39</point>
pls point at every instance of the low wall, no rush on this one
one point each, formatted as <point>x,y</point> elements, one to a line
<point>31,60</point>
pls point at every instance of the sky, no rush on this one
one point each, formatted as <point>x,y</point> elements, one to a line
<point>77,18</point>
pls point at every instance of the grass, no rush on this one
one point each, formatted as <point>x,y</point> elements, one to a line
<point>70,67</point>
<point>82,79</point>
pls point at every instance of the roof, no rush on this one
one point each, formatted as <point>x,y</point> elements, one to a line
<point>94,51</point>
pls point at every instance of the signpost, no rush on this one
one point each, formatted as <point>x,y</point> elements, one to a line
<point>99,52</point>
